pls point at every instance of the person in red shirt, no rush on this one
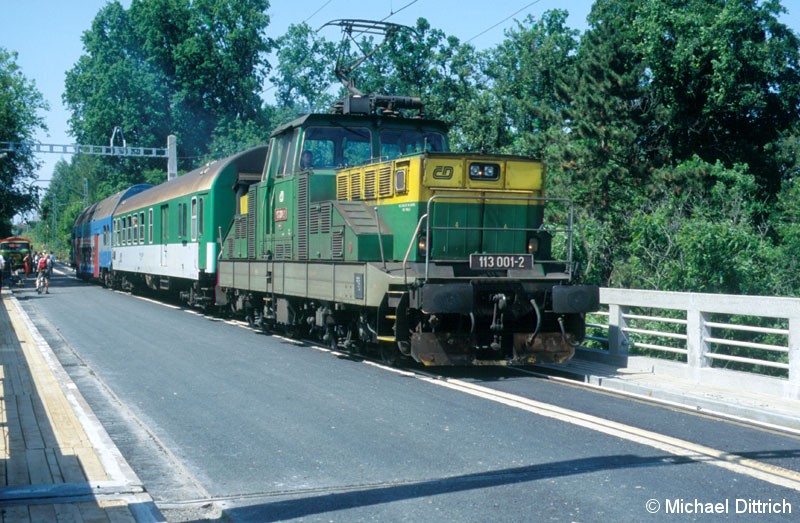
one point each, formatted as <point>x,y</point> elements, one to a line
<point>44,272</point>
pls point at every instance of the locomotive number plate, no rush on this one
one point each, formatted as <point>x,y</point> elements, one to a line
<point>500,261</point>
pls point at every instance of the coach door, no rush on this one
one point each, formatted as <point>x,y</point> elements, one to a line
<point>164,230</point>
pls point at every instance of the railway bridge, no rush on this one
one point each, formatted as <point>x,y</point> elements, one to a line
<point>736,355</point>
<point>233,426</point>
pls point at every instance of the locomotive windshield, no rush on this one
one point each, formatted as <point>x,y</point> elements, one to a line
<point>333,147</point>
<point>397,143</point>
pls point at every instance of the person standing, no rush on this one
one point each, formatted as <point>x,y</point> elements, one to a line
<point>26,263</point>
<point>2,269</point>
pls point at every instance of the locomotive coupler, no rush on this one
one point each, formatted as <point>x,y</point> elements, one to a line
<point>499,305</point>
<point>497,320</point>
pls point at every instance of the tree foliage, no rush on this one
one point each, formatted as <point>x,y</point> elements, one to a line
<point>20,119</point>
<point>727,74</point>
<point>165,67</point>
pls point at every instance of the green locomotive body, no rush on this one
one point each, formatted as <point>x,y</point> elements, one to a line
<point>364,231</point>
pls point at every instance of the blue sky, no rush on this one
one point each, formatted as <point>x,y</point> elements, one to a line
<point>46,34</point>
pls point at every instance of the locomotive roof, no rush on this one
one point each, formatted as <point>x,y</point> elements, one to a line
<point>372,120</point>
<point>198,180</point>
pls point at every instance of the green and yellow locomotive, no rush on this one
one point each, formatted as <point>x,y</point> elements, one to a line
<point>366,232</point>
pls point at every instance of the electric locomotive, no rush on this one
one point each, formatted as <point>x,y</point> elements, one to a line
<point>365,232</point>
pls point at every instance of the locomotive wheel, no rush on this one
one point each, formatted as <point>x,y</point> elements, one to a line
<point>352,344</point>
<point>332,343</point>
<point>390,354</point>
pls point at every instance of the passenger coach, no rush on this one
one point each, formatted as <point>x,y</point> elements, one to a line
<point>166,238</point>
<point>91,237</point>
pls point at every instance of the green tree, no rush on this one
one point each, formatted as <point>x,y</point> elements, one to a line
<point>700,232</point>
<point>528,71</point>
<point>170,66</point>
<point>304,71</point>
<point>20,103</point>
<point>113,85</point>
<point>727,73</point>
<point>607,144</point>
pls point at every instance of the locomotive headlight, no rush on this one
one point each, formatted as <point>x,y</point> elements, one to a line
<point>484,171</point>
<point>533,245</point>
<point>422,246</point>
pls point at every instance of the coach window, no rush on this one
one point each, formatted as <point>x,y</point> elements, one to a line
<point>200,207</point>
<point>184,221</point>
<point>180,221</point>
<point>141,227</point>
<point>150,225</point>
<point>135,229</point>
<point>194,219</point>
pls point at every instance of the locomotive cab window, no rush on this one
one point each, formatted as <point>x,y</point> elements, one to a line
<point>397,143</point>
<point>281,153</point>
<point>332,147</point>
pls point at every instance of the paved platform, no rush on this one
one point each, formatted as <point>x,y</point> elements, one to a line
<point>57,463</point>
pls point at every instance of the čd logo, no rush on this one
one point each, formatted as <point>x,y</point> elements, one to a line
<point>443,172</point>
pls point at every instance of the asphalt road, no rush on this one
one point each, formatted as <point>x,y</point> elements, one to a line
<point>213,416</point>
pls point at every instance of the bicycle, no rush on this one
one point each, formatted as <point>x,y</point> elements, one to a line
<point>39,283</point>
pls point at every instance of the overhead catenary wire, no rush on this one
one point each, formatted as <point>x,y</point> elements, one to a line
<point>317,11</point>
<point>515,13</point>
<point>392,13</point>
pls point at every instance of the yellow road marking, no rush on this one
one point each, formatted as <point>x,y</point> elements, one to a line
<point>756,469</point>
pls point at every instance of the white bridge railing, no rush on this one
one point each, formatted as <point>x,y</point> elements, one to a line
<point>749,342</point>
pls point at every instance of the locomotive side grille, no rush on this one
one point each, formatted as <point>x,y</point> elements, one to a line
<point>325,217</point>
<point>302,218</point>
<point>341,187</point>
<point>283,250</point>
<point>385,181</point>
<point>355,186</point>
<point>313,220</point>
<point>241,227</point>
<point>337,245</point>
<point>230,246</point>
<point>252,218</point>
<point>369,184</point>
